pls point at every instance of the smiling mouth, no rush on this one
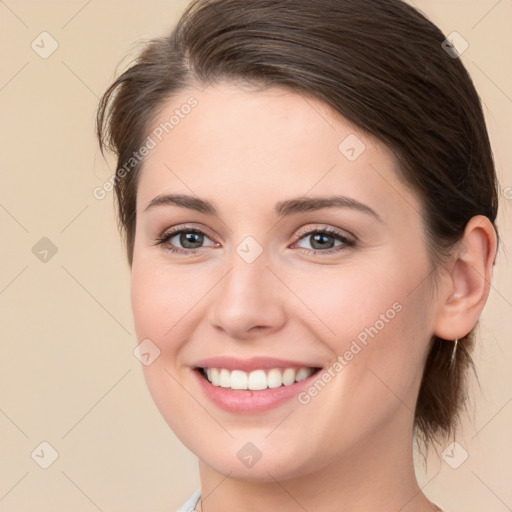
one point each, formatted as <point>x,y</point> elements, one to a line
<point>256,380</point>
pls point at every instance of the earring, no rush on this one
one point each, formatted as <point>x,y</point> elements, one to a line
<point>454,351</point>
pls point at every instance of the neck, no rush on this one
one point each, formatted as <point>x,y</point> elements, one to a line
<point>376,474</point>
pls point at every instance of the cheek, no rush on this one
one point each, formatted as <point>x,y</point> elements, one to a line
<point>376,317</point>
<point>347,301</point>
<point>161,300</point>
<point>149,304</point>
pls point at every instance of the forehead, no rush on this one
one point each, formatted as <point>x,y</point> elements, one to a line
<point>244,144</point>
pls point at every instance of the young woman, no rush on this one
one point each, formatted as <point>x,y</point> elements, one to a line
<point>308,199</point>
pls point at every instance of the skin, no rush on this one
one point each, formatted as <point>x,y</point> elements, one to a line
<point>350,447</point>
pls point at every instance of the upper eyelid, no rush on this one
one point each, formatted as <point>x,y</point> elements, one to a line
<point>325,229</point>
<point>299,232</point>
<point>176,231</point>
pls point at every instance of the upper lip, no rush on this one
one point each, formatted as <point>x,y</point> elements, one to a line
<point>254,363</point>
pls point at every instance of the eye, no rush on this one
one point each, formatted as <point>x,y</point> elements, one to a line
<point>190,240</point>
<point>325,240</point>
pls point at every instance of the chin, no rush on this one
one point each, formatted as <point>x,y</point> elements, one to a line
<point>273,463</point>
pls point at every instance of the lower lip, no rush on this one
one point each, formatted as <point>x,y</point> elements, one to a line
<point>248,401</point>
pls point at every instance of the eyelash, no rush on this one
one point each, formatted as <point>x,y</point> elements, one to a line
<point>347,242</point>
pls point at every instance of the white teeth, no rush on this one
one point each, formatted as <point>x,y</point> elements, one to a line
<point>257,379</point>
<point>224,379</point>
<point>274,379</point>
<point>302,374</point>
<point>289,376</point>
<point>238,379</point>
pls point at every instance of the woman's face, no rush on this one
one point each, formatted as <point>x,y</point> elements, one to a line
<point>260,295</point>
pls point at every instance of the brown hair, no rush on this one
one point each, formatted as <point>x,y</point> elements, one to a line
<point>379,63</point>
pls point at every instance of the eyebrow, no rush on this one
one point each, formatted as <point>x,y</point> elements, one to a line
<point>282,209</point>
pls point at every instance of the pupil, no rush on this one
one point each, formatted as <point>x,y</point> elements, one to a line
<point>187,238</point>
<point>318,238</point>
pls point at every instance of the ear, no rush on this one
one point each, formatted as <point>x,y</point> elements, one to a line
<point>467,280</point>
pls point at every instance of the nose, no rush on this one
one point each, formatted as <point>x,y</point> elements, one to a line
<point>249,301</point>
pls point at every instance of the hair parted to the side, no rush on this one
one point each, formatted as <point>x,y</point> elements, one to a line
<point>380,64</point>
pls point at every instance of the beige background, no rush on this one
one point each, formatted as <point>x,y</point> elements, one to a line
<point>67,372</point>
